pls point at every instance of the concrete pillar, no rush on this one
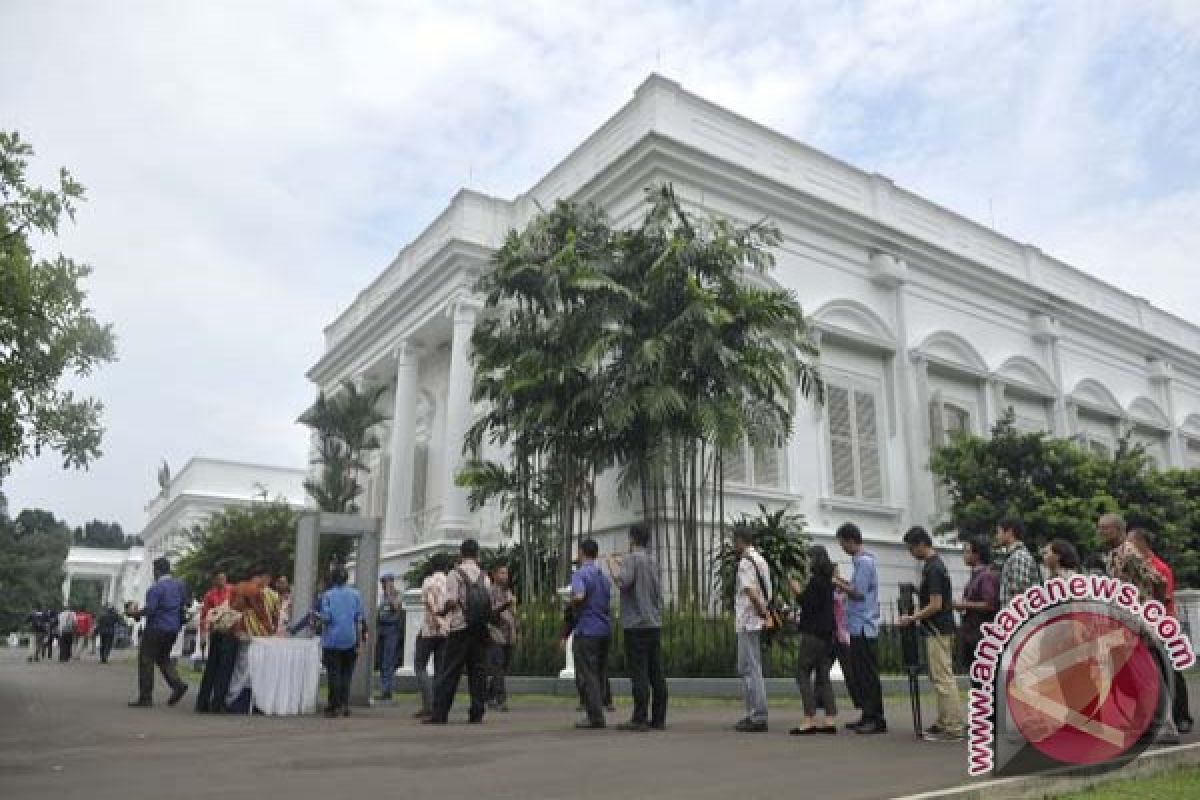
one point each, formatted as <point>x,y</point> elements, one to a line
<point>304,579</point>
<point>568,670</point>
<point>367,581</point>
<point>454,521</point>
<point>404,424</point>
<point>1046,333</point>
<point>414,615</point>
<point>993,404</point>
<point>66,588</point>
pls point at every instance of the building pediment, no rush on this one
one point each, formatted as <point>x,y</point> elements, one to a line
<point>1025,374</point>
<point>1146,412</point>
<point>855,322</point>
<point>1093,395</point>
<point>951,350</point>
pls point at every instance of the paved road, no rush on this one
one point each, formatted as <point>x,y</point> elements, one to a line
<point>65,732</point>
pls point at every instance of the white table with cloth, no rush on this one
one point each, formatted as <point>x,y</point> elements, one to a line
<point>283,675</point>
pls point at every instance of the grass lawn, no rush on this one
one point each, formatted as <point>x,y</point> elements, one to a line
<point>1182,784</point>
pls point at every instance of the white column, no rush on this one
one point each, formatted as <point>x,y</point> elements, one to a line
<point>454,522</point>
<point>1161,376</point>
<point>1046,333</point>
<point>414,615</point>
<point>924,501</point>
<point>66,589</point>
<point>404,424</point>
<point>568,671</point>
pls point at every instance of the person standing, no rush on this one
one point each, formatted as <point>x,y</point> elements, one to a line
<point>283,590</point>
<point>431,640</point>
<point>341,611</point>
<point>1124,561</point>
<point>389,632</point>
<point>591,596</point>
<point>637,578</point>
<point>752,596</point>
<point>68,621</point>
<point>39,623</point>
<point>221,646</point>
<point>1061,559</point>
<point>51,632</point>
<point>467,610</point>
<point>935,620</point>
<point>502,633</point>
<point>1144,541</point>
<point>980,600</point>
<point>814,655</point>
<point>1020,572</point>
<point>106,629</point>
<point>85,625</point>
<point>862,617</point>
<point>166,604</point>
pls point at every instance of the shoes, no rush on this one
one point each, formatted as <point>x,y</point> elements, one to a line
<point>933,729</point>
<point>345,711</point>
<point>657,726</point>
<point>386,696</point>
<point>802,731</point>
<point>140,704</point>
<point>431,720</point>
<point>872,727</point>
<point>635,727</point>
<point>177,694</point>
<point>502,707</point>
<point>332,712</point>
<point>944,736</point>
<point>751,726</point>
<point>589,725</point>
<point>475,720</point>
<point>828,729</point>
<point>422,715</point>
<point>850,726</point>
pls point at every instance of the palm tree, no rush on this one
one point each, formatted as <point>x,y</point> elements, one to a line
<point>345,426</point>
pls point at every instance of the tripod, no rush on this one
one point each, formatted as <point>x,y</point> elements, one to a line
<point>914,696</point>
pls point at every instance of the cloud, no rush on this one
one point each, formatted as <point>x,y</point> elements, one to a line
<point>252,167</point>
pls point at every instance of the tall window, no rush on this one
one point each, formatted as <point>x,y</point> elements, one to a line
<point>1191,453</point>
<point>855,457</point>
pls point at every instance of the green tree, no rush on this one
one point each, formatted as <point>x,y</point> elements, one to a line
<point>780,537</point>
<point>344,425</point>
<point>33,548</point>
<point>236,540</point>
<point>103,535</point>
<point>47,332</point>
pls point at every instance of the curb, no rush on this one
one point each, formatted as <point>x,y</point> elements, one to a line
<point>1043,785</point>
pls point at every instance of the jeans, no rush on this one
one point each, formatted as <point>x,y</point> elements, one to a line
<point>218,672</point>
<point>749,665</point>
<point>643,656</point>
<point>465,650</point>
<point>813,660</point>
<point>591,665</point>
<point>65,640</point>
<point>389,657</point>
<point>106,646</point>
<point>864,658</point>
<point>339,669</point>
<point>435,647</point>
<point>499,658</point>
<point>155,651</point>
<point>939,650</point>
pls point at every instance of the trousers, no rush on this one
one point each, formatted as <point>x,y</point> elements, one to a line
<point>155,651</point>
<point>643,656</point>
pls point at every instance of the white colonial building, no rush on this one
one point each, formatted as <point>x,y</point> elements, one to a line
<point>928,323</point>
<point>203,486</point>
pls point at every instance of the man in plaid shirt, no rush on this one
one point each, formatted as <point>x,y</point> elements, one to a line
<point>1020,571</point>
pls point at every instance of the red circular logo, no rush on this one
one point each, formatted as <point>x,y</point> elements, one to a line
<point>1083,688</point>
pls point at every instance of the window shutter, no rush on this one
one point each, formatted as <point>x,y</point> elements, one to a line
<point>767,466</point>
<point>734,462</point>
<point>841,441</point>
<point>870,472</point>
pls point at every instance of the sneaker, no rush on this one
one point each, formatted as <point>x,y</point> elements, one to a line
<point>751,726</point>
<point>636,727</point>
<point>422,715</point>
<point>854,725</point>
<point>944,736</point>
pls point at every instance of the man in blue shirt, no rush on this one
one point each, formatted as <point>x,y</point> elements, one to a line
<point>341,610</point>
<point>862,620</point>
<point>591,595</point>
<point>166,603</point>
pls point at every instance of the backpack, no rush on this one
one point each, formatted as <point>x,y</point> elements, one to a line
<point>477,604</point>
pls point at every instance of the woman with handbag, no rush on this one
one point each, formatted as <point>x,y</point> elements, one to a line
<point>814,658</point>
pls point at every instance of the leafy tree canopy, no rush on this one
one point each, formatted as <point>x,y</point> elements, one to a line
<point>103,535</point>
<point>236,541</point>
<point>47,331</point>
<point>33,548</point>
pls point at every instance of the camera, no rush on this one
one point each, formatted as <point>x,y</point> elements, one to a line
<point>910,650</point>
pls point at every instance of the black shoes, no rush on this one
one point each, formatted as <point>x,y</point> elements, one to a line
<point>634,727</point>
<point>590,725</point>
<point>878,726</point>
<point>751,726</point>
<point>140,704</point>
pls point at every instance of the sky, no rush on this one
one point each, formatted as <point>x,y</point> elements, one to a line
<point>252,165</point>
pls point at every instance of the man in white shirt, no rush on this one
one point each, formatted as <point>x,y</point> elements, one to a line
<point>752,594</point>
<point>431,641</point>
<point>466,640</point>
<point>67,623</point>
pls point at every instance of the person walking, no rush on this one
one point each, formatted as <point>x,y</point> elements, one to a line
<point>1061,559</point>
<point>85,625</point>
<point>935,620</point>
<point>389,632</point>
<point>591,596</point>
<point>502,632</point>
<point>68,622</point>
<point>344,628</point>
<point>815,628</point>
<point>637,578</point>
<point>431,640</point>
<point>467,610</point>
<point>752,596</point>
<point>106,629</point>
<point>39,623</point>
<point>163,612</point>
<point>862,618</point>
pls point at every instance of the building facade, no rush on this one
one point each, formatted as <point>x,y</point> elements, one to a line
<point>928,324</point>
